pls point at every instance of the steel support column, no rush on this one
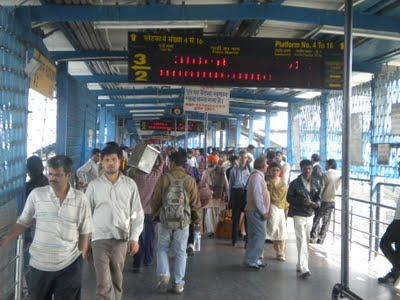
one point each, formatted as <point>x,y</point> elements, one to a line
<point>346,142</point>
<point>62,107</point>
<point>375,189</point>
<point>221,140</point>
<point>238,134</point>
<point>343,287</point>
<point>267,130</point>
<point>214,135</point>
<point>199,143</point>
<point>251,130</point>
<point>111,128</point>
<point>186,132</point>
<point>323,132</point>
<point>290,153</point>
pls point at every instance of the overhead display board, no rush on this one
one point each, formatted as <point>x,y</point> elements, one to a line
<point>234,61</point>
<point>169,125</point>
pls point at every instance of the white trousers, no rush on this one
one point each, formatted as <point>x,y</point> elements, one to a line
<point>302,227</point>
<point>211,219</point>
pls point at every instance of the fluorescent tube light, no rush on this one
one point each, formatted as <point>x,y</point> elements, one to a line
<point>147,111</point>
<point>380,35</point>
<point>308,95</point>
<point>150,25</point>
<point>141,105</point>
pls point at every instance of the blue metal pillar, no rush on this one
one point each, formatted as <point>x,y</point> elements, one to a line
<point>62,107</point>
<point>227,128</point>
<point>251,130</point>
<point>199,141</point>
<point>214,135</point>
<point>267,130</point>
<point>289,135</point>
<point>186,133</point>
<point>375,189</point>
<point>102,126</point>
<point>238,133</point>
<point>221,140</point>
<point>111,128</point>
<point>323,133</point>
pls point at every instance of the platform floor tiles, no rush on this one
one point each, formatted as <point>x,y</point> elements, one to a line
<point>216,272</point>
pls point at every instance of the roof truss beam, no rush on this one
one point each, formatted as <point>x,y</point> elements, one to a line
<point>245,11</point>
<point>239,107</point>
<point>235,93</point>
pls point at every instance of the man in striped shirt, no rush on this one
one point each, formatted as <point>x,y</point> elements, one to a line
<point>63,226</point>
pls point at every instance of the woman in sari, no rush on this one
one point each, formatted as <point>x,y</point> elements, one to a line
<point>276,223</point>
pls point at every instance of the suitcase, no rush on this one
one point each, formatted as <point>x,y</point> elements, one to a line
<point>224,226</point>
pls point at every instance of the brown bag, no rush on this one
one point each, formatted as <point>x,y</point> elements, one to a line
<point>205,193</point>
<point>224,226</point>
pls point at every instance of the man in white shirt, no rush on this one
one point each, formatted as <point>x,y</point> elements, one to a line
<point>317,170</point>
<point>257,208</point>
<point>330,186</point>
<point>191,159</point>
<point>63,226</point>
<point>90,170</point>
<point>285,167</point>
<point>250,156</point>
<point>117,223</point>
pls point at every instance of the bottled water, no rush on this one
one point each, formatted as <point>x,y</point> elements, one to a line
<point>197,239</point>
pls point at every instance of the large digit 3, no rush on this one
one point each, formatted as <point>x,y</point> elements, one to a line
<point>140,59</point>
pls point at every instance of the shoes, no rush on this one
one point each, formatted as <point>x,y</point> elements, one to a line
<point>305,275</point>
<point>190,251</point>
<point>312,241</point>
<point>267,241</point>
<point>261,265</point>
<point>162,285</point>
<point>320,241</point>
<point>388,278</point>
<point>280,257</point>
<point>253,267</point>
<point>178,289</point>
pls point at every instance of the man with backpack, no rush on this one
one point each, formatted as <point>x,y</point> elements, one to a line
<point>175,204</point>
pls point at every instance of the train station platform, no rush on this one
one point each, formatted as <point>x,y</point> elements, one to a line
<point>216,272</point>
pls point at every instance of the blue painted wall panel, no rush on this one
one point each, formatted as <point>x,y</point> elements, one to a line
<point>13,120</point>
<point>77,121</point>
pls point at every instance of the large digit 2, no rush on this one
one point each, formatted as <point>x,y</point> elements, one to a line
<point>141,75</point>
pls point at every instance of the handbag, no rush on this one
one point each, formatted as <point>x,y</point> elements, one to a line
<point>224,226</point>
<point>205,193</point>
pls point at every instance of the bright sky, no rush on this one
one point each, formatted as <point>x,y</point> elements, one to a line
<point>42,122</point>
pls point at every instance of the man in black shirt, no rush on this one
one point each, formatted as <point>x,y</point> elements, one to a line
<point>35,170</point>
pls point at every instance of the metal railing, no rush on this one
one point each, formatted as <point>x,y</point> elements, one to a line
<point>18,260</point>
<point>374,233</point>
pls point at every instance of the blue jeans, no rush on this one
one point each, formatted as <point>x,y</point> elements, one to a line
<point>178,240</point>
<point>256,232</point>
